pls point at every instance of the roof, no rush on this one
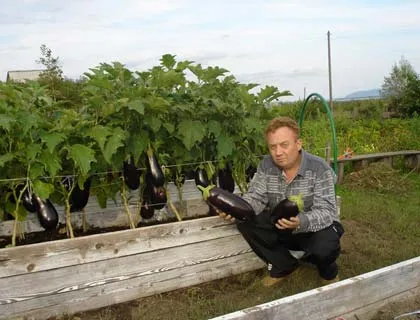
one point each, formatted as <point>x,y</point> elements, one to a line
<point>23,75</point>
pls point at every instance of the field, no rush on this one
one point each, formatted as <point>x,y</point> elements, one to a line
<point>382,228</point>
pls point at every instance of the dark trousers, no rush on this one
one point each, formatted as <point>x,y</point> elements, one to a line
<point>272,245</point>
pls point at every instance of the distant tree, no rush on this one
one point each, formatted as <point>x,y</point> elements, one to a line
<point>52,76</point>
<point>400,87</point>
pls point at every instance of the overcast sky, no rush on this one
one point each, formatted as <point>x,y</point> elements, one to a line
<point>280,42</point>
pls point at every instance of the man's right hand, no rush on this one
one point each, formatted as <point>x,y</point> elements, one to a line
<point>226,216</point>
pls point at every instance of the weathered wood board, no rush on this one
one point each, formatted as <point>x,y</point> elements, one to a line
<point>95,271</point>
<point>342,299</point>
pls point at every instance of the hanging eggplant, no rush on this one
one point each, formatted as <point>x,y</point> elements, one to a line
<point>156,174</point>
<point>201,179</point>
<point>47,215</point>
<point>154,195</point>
<point>249,173</point>
<point>78,198</point>
<point>26,199</point>
<point>226,181</point>
<point>131,174</point>
<point>287,208</point>
<point>228,202</point>
<point>146,211</point>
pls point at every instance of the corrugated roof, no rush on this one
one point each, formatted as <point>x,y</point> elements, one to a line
<point>23,75</point>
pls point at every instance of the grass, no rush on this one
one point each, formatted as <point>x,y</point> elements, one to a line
<point>382,227</point>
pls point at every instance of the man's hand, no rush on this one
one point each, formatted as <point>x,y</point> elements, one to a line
<point>291,224</point>
<point>226,216</point>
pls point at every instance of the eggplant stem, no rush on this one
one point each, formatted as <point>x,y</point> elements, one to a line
<point>206,190</point>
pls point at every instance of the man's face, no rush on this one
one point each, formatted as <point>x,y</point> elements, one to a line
<point>284,147</point>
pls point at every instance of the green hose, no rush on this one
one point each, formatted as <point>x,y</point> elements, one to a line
<point>330,117</point>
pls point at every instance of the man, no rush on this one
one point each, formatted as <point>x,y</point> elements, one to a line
<point>287,171</point>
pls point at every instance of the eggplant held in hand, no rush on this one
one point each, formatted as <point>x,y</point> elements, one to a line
<point>228,203</point>
<point>287,208</point>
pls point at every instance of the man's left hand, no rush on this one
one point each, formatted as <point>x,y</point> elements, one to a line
<point>291,224</point>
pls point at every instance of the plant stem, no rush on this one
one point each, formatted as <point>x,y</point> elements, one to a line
<point>171,204</point>
<point>15,229</point>
<point>69,227</point>
<point>181,199</point>
<point>84,222</point>
<point>126,208</point>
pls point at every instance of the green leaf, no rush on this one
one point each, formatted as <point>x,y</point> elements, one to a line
<point>36,170</point>
<point>137,143</point>
<point>191,132</point>
<point>154,123</point>
<point>100,134</point>
<point>4,158</point>
<point>169,127</point>
<point>136,105</point>
<point>6,122</point>
<point>82,157</point>
<point>31,152</point>
<point>52,139</point>
<point>42,189</point>
<point>214,127</point>
<point>157,103</point>
<point>168,61</point>
<point>115,141</point>
<point>225,145</point>
<point>21,211</point>
<point>51,162</point>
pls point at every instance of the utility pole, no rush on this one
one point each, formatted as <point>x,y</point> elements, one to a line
<point>329,70</point>
<point>304,93</point>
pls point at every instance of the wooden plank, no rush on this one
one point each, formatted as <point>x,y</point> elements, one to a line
<point>339,298</point>
<point>369,311</point>
<point>77,277</point>
<point>147,270</point>
<point>67,252</point>
<point>125,290</point>
<point>379,155</point>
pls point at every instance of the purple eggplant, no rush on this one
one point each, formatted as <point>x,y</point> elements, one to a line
<point>78,198</point>
<point>249,173</point>
<point>47,215</point>
<point>131,174</point>
<point>27,199</point>
<point>146,211</point>
<point>226,178</point>
<point>287,208</point>
<point>201,179</point>
<point>156,174</point>
<point>230,203</point>
<point>153,195</point>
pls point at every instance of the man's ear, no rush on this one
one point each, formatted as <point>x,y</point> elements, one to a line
<point>299,144</point>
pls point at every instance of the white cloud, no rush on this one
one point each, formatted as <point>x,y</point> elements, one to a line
<point>279,43</point>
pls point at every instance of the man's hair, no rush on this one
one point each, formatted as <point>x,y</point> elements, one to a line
<point>281,122</point>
